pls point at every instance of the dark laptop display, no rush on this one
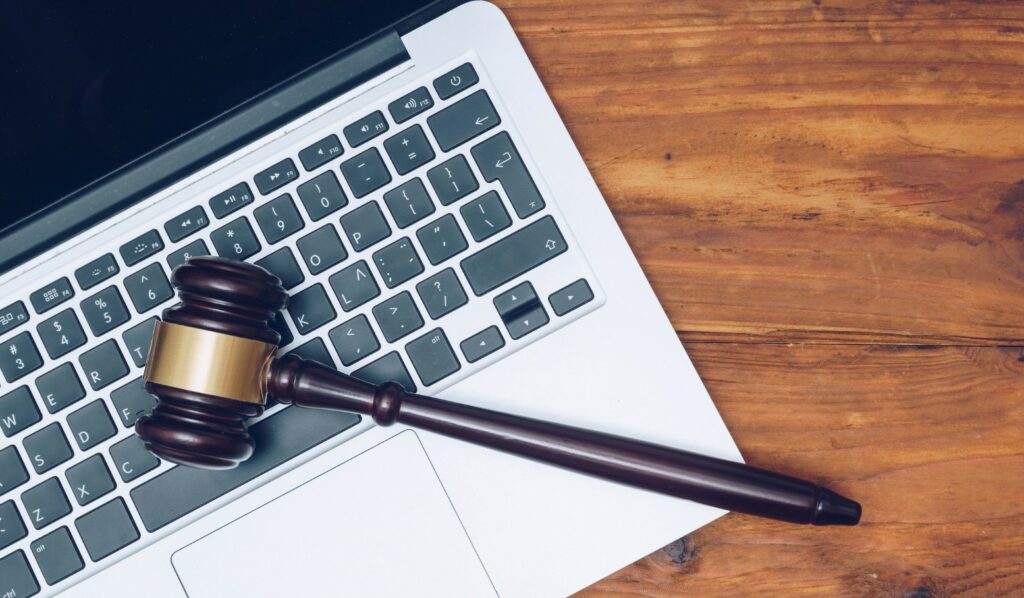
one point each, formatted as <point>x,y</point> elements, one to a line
<point>90,86</point>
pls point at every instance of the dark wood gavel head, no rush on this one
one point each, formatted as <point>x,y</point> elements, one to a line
<point>208,363</point>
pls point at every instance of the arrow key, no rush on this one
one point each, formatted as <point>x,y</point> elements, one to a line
<point>571,297</point>
<point>482,344</point>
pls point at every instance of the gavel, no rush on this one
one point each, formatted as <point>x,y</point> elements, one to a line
<point>212,365</point>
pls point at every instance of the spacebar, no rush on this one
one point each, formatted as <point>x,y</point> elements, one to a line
<point>279,438</point>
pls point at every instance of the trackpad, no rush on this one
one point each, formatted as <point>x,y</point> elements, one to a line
<point>379,524</point>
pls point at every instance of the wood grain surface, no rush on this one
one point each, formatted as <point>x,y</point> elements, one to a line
<point>828,198</point>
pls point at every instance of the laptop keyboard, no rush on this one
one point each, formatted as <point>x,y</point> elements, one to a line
<point>385,229</point>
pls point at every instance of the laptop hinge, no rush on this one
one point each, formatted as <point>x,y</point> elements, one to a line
<point>201,146</point>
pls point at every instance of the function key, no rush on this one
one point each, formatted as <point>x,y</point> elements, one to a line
<point>452,180</point>
<point>365,129</point>
<point>104,311</point>
<point>96,271</point>
<point>51,295</point>
<point>61,334</point>
<point>142,247</point>
<point>456,80</point>
<point>19,357</point>
<point>571,297</point>
<point>186,224</point>
<point>276,176</point>
<point>17,411</point>
<point>409,149</point>
<point>12,316</point>
<point>17,575</point>
<point>148,288</point>
<point>12,528</point>
<point>410,105</point>
<point>482,344</point>
<point>321,152</point>
<point>45,503</point>
<point>12,471</point>
<point>193,249</point>
<point>464,120</point>
<point>233,199</point>
<point>107,529</point>
<point>365,173</point>
<point>322,195</point>
<point>235,240</point>
<point>279,219</point>
<point>432,357</point>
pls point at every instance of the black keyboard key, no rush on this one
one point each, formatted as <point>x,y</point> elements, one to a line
<point>409,149</point>
<point>229,201</point>
<point>17,411</point>
<point>89,480</point>
<point>521,310</point>
<point>432,356</point>
<point>276,176</point>
<point>354,285</point>
<point>51,295</point>
<point>442,239</point>
<point>107,529</point>
<point>12,529</point>
<point>91,425</point>
<point>322,196</point>
<point>12,316</point>
<point>571,297</point>
<point>442,293</point>
<point>47,448</point>
<point>365,173</point>
<point>194,249</point>
<point>397,263</point>
<point>45,503</point>
<point>314,350</point>
<point>103,365</point>
<point>131,458</point>
<point>398,317</point>
<point>365,226</point>
<point>56,555</point>
<point>386,369</point>
<point>104,311</point>
<point>141,248</point>
<point>354,340</point>
<point>321,152</point>
<point>18,581</point>
<point>409,203</point>
<point>148,288</point>
<point>460,122</point>
<point>282,264</point>
<point>365,129</point>
<point>482,344</point>
<point>514,255</point>
<point>96,271</point>
<point>137,339</point>
<point>60,388</point>
<point>131,402</point>
<point>452,180</point>
<point>410,105</point>
<point>485,216</point>
<point>499,160</point>
<point>61,334</point>
<point>19,357</point>
<point>279,219</point>
<point>12,470</point>
<point>186,224</point>
<point>281,327</point>
<point>235,240</point>
<point>462,77</point>
<point>321,249</point>
<point>281,437</point>
<point>311,309</point>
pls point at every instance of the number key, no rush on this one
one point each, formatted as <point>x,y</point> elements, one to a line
<point>104,311</point>
<point>279,219</point>
<point>19,357</point>
<point>322,196</point>
<point>148,288</point>
<point>61,333</point>
<point>235,240</point>
<point>194,249</point>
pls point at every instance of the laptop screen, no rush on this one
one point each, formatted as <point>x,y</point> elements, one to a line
<point>89,86</point>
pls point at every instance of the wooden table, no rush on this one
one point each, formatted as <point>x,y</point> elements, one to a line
<point>828,198</point>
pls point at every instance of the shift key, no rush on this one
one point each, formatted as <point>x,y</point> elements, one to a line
<point>514,255</point>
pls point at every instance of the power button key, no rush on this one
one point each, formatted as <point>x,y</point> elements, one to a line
<point>456,80</point>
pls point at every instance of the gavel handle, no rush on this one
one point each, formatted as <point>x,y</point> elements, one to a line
<point>707,480</point>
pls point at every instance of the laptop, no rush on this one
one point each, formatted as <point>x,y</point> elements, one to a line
<point>400,167</point>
